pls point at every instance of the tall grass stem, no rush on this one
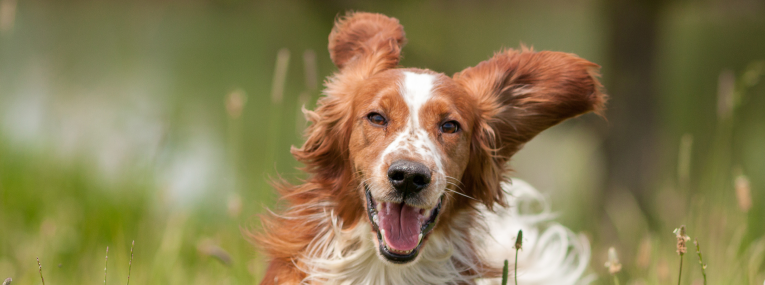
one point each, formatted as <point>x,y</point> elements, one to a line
<point>40,266</point>
<point>505,270</point>
<point>684,162</point>
<point>277,93</point>
<point>515,270</point>
<point>106,262</point>
<point>310,71</point>
<point>280,75</point>
<point>680,273</point>
<point>701,261</point>
<point>682,239</point>
<point>130,264</point>
<point>518,246</point>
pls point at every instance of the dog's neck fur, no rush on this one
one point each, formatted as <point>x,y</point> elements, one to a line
<point>349,256</point>
<point>470,249</point>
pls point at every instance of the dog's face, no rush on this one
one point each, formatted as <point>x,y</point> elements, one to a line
<point>409,145</point>
<point>410,148</point>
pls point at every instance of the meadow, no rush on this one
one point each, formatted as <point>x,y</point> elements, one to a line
<point>162,122</point>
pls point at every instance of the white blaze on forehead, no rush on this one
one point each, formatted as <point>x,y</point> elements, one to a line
<point>416,89</point>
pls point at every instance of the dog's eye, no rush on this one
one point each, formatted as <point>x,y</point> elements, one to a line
<point>377,119</point>
<point>450,127</point>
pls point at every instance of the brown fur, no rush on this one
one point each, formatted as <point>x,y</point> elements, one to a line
<point>519,94</point>
<point>506,101</point>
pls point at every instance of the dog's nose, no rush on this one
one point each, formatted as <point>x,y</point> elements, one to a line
<point>408,176</point>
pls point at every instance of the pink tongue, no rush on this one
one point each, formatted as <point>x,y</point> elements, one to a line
<point>402,224</point>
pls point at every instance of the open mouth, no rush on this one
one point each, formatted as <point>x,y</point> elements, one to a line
<point>401,229</point>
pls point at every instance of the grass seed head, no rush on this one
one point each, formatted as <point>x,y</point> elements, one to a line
<point>682,238</point>
<point>519,240</point>
<point>235,102</point>
<point>644,259</point>
<point>7,281</point>
<point>40,266</point>
<point>743,193</point>
<point>613,264</point>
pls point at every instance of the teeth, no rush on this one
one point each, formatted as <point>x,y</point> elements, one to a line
<point>427,214</point>
<point>399,251</point>
<point>419,239</point>
<point>382,232</point>
<point>379,206</point>
<point>375,219</point>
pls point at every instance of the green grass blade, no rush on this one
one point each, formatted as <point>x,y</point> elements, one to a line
<point>504,273</point>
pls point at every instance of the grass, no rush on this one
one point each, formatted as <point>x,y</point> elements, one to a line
<point>130,263</point>
<point>131,209</point>
<point>106,263</point>
<point>170,259</point>
<point>682,248</point>
<point>505,273</point>
<point>701,261</point>
<point>40,267</point>
<point>613,265</point>
<point>61,207</point>
<point>518,245</point>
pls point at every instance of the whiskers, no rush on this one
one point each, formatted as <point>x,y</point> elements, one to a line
<point>363,183</point>
<point>453,181</point>
<point>461,194</point>
<point>452,184</point>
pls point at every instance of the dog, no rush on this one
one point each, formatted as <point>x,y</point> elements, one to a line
<point>407,168</point>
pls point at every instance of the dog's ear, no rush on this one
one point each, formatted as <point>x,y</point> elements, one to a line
<point>366,43</point>
<point>361,44</point>
<point>519,94</point>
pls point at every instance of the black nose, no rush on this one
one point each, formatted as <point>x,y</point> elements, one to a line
<point>408,176</point>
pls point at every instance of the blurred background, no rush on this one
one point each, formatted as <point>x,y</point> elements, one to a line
<point>163,121</point>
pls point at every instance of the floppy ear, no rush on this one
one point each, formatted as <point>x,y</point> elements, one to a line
<point>366,43</point>
<point>360,44</point>
<point>519,94</point>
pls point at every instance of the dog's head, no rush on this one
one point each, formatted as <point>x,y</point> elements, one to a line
<point>409,148</point>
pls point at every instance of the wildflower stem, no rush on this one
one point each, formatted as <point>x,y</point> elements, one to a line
<point>701,261</point>
<point>616,280</point>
